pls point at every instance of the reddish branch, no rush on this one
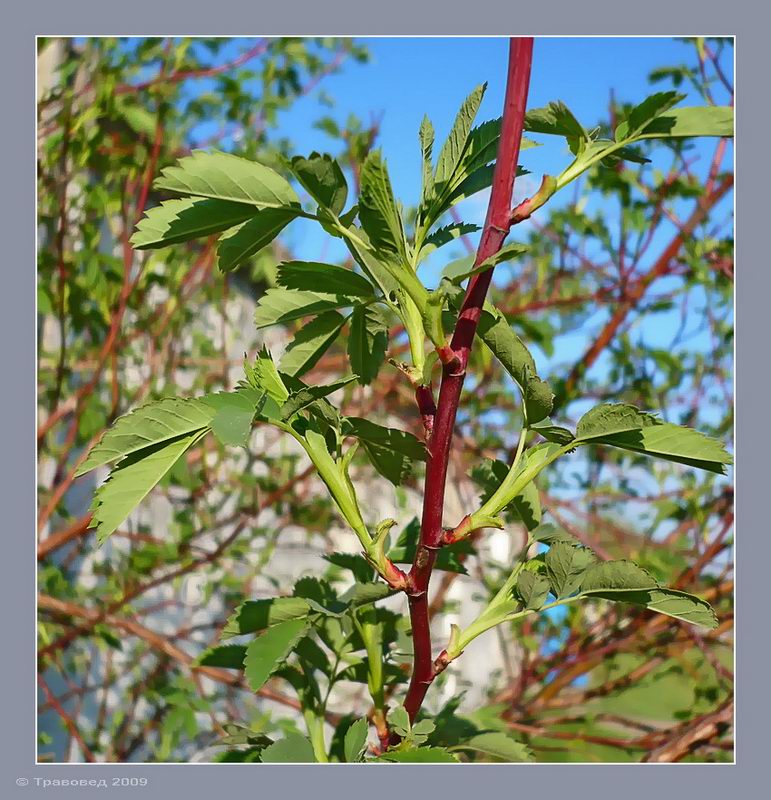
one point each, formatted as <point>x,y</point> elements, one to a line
<point>496,228</point>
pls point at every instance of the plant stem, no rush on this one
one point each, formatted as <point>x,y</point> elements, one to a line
<point>496,228</point>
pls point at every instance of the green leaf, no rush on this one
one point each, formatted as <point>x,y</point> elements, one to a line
<point>305,395</point>
<point>324,180</point>
<point>223,176</point>
<point>312,275</point>
<point>612,576</point>
<point>455,145</point>
<point>644,113</point>
<point>421,755</point>
<point>176,221</point>
<point>270,650</point>
<point>445,235</point>
<point>533,589</point>
<point>229,656</point>
<point>391,451</point>
<point>378,212</point>
<point>293,749</point>
<point>234,414</point>
<point>148,426</point>
<point>498,745</point>
<point>133,479</point>
<point>611,418</point>
<point>367,342</point>
<point>556,119</point>
<point>255,615</point>
<point>310,343</point>
<point>669,602</point>
<point>426,136</point>
<point>355,742</point>
<point>239,245</point>
<point>565,566</point>
<point>628,428</point>
<point>691,121</point>
<point>282,305</point>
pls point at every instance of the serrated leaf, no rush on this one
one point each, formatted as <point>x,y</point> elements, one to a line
<point>283,305</point>
<point>355,742</point>
<point>234,414</point>
<point>421,755</point>
<point>691,121</point>
<point>223,176</point>
<point>628,428</point>
<point>229,656</point>
<point>645,112</point>
<point>455,144</point>
<point>175,221</point>
<point>310,343</point>
<point>498,745</point>
<point>565,566</point>
<point>292,749</point>
<point>312,275</point>
<point>555,119</point>
<point>237,246</point>
<point>367,342</point>
<point>378,211</point>
<point>147,426</point>
<point>324,180</point>
<point>533,589</point>
<point>305,395</point>
<point>612,576</point>
<point>269,651</point>
<point>671,603</point>
<point>255,615</point>
<point>133,479</point>
<point>445,235</point>
<point>391,451</point>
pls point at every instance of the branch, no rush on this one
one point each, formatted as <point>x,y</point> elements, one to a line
<point>496,228</point>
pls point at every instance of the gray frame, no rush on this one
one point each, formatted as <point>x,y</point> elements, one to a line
<point>404,17</point>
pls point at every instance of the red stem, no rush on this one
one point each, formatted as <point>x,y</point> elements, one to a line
<point>496,228</point>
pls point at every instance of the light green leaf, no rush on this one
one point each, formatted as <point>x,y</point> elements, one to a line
<point>322,177</point>
<point>312,276</point>
<point>270,649</point>
<point>533,589</point>
<point>645,112</point>
<point>133,479</point>
<point>310,343</point>
<point>176,221</point>
<point>229,656</point>
<point>240,244</point>
<point>565,566</point>
<point>455,145</point>
<point>147,426</point>
<point>498,745</point>
<point>421,755</point>
<point>292,749</point>
<point>367,342</point>
<point>234,414</point>
<point>378,212</point>
<point>355,741</point>
<point>223,176</point>
<point>691,121</point>
<point>284,305</point>
<point>255,615</point>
